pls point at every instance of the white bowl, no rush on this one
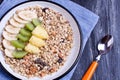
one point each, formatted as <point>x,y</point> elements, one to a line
<point>74,53</point>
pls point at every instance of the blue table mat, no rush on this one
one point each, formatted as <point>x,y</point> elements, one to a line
<point>86,19</point>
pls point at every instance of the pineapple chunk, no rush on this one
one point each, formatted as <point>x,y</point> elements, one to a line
<point>37,41</point>
<point>31,48</point>
<point>40,32</point>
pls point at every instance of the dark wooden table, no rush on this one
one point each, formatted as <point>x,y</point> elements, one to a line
<point>109,23</point>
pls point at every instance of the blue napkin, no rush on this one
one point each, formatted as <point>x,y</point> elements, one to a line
<point>86,19</point>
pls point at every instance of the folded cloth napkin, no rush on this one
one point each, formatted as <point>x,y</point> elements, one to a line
<point>85,18</point>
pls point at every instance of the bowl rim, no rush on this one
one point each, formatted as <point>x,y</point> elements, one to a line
<point>78,25</point>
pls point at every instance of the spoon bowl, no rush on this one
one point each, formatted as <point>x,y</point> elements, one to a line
<point>105,44</point>
<point>103,47</point>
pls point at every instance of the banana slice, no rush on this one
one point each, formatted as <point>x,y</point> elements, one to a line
<point>27,15</point>
<point>16,24</point>
<point>11,29</point>
<point>19,19</point>
<point>9,36</point>
<point>8,53</point>
<point>8,45</point>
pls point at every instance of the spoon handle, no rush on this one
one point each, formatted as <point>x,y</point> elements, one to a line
<point>90,71</point>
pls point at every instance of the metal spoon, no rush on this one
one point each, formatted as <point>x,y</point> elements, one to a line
<point>103,47</point>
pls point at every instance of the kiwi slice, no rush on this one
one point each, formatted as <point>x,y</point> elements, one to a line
<point>23,38</point>
<point>19,54</point>
<point>36,22</point>
<point>29,26</point>
<point>18,44</point>
<point>25,32</point>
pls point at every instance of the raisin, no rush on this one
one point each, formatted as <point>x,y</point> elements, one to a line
<point>44,9</point>
<point>60,60</point>
<point>41,67</point>
<point>40,62</point>
<point>62,40</point>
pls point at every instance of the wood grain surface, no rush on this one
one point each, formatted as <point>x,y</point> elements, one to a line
<point>109,23</point>
<point>1,1</point>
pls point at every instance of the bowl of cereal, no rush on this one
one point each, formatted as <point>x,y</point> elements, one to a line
<point>39,40</point>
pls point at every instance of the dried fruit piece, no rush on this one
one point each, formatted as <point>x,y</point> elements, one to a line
<point>40,62</point>
<point>60,60</point>
<point>44,9</point>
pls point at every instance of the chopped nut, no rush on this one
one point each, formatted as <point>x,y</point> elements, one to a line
<point>69,38</point>
<point>33,69</point>
<point>53,33</point>
<point>42,74</point>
